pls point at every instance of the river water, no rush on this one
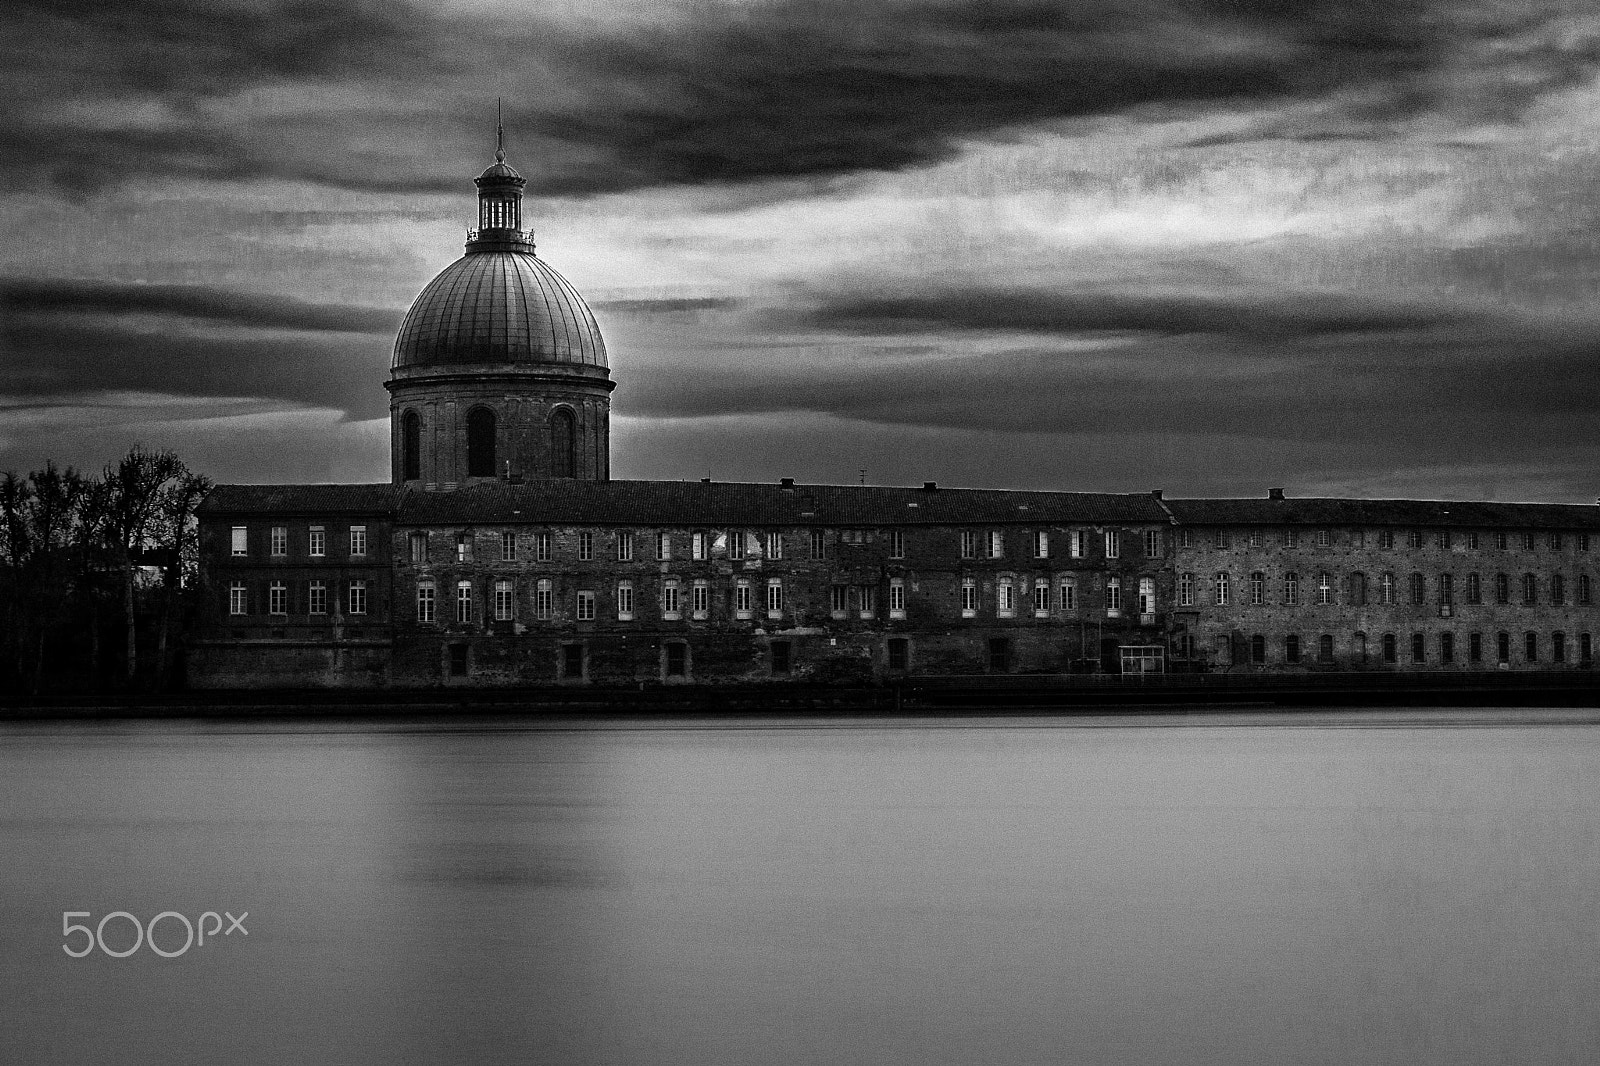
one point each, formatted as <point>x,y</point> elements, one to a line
<point>1360,888</point>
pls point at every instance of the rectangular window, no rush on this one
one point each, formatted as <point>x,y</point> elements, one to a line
<point>969,597</point>
<point>280,540</point>
<point>1583,542</point>
<point>419,547</point>
<point>969,544</point>
<point>1041,544</point>
<point>867,600</point>
<point>1007,598</point>
<point>317,598</point>
<point>774,598</point>
<point>572,662</point>
<point>625,601</point>
<point>1324,538</point>
<point>1152,543</point>
<point>278,598</point>
<point>1077,544</point>
<point>700,604</point>
<point>464,601</point>
<point>1257,538</point>
<point>742,607</point>
<point>774,545</point>
<point>1041,597</point>
<point>544,600</point>
<point>736,549</point>
<point>819,544</point>
<point>1258,585</point>
<point>586,546</point>
<point>358,597</point>
<point>897,597</point>
<point>1474,647</point>
<point>997,544</point>
<point>697,546</point>
<point>1583,589</point>
<point>425,601</point>
<point>1413,538</point>
<point>238,598</point>
<point>1222,590</point>
<point>899,653</point>
<point>1324,588</point>
<point>1186,589</point>
<point>543,546</point>
<point>670,608</point>
<point>1502,588</point>
<point>1113,544</point>
<point>463,547</point>
<point>838,600</point>
<point>1558,647</point>
<point>1474,588</point>
<point>1554,540</point>
<point>1501,542</point>
<point>317,543</point>
<point>1527,546</point>
<point>1530,648</point>
<point>1472,545</point>
<point>508,547</point>
<point>586,605</point>
<point>1444,539</point>
<point>1291,589</point>
<point>1113,595</point>
<point>358,540</point>
<point>624,547</point>
<point>897,544</point>
<point>1068,594</point>
<point>1419,648</point>
<point>459,655</point>
<point>1558,589</point>
<point>241,540</point>
<point>1185,538</point>
<point>504,601</point>
<point>663,546</point>
<point>1291,538</point>
<point>780,656</point>
<point>1386,538</point>
<point>677,659</point>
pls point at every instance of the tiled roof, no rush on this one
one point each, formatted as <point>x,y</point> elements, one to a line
<point>299,499</point>
<point>1418,513</point>
<point>683,503</point>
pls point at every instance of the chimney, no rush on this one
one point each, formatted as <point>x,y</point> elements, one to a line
<point>787,484</point>
<point>933,486</point>
<point>1274,494</point>
<point>705,481</point>
<point>1156,493</point>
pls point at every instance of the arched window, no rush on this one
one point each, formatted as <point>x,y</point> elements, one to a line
<point>1359,642</point>
<point>1291,648</point>
<point>1358,589</point>
<point>563,444</point>
<point>1325,648</point>
<point>1388,648</point>
<point>1530,589</point>
<point>410,446</point>
<point>480,442</point>
<point>1258,649</point>
<point>1324,588</point>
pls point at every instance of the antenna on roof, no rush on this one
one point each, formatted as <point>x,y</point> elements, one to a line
<point>499,134</point>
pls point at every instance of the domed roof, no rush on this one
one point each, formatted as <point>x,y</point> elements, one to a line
<point>498,307</point>
<point>500,170</point>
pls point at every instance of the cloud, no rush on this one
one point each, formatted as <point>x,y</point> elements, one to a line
<point>218,306</point>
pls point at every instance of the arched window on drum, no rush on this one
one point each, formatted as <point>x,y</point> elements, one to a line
<point>563,444</point>
<point>411,446</point>
<point>480,442</point>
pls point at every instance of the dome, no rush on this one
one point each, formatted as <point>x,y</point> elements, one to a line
<point>498,307</point>
<point>500,171</point>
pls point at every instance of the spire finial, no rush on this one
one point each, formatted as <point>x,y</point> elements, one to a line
<point>499,134</point>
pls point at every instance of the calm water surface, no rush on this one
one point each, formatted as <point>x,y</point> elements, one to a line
<point>1365,889</point>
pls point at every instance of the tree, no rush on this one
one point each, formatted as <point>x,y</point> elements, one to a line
<point>135,488</point>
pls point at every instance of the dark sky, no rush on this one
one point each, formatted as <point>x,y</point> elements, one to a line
<point>1210,246</point>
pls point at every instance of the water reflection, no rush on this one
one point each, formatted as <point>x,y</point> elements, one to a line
<point>804,892</point>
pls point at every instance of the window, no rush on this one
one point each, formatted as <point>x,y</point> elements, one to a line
<point>1324,538</point>
<point>425,601</point>
<point>480,442</point>
<point>1220,539</point>
<point>240,540</point>
<point>1558,589</point>
<point>1325,648</point>
<point>419,547</point>
<point>1291,589</point>
<point>1418,588</point>
<point>1501,541</point>
<point>464,547</point>
<point>1558,647</point>
<point>1147,595</point>
<point>1068,594</point>
<point>572,662</point>
<point>670,606</point>
<point>838,600</point>
<point>1386,588</point>
<point>463,601</point>
<point>411,447</point>
<point>969,597</point>
<point>1258,648</point>
<point>1583,542</point>
<point>1000,655</point>
<point>897,544</point>
<point>1291,649</point>
<point>736,546</point>
<point>543,546</point>
<point>1503,647</point>
<point>563,443</point>
<point>317,543</point>
<point>1419,648</point>
<point>1258,539</point>
<point>1413,539</point>
<point>586,605</point>
<point>238,598</point>
<point>1474,647</point>
<point>1186,589</point>
<point>741,598</point>
<point>897,597</point>
<point>1185,538</point>
<point>1527,542</point>
<point>625,601</point>
<point>508,547</point>
<point>1447,647</point>
<point>1386,540</point>
<point>700,599</point>
<point>1583,589</point>
<point>278,598</point>
<point>1258,583</point>
<point>867,599</point>
<point>1443,539</point>
<point>317,598</point>
<point>1474,588</point>
<point>1113,595</point>
<point>585,546</point>
<point>544,600</point>
<point>1361,647</point>
<point>1152,542</point>
<point>1554,541</point>
<point>458,660</point>
<point>1041,544</point>
<point>1291,538</point>
<point>280,540</point>
<point>1221,585</point>
<point>1389,653</point>
<point>780,657</point>
<point>899,653</point>
<point>357,597</point>
<point>774,545</point>
<point>1358,589</point>
<point>1447,589</point>
<point>819,544</point>
<point>358,540</point>
<point>994,544</point>
<point>1472,543</point>
<point>1113,544</point>
<point>774,597</point>
<point>504,601</point>
<point>1585,649</point>
<point>1041,597</point>
<point>624,547</point>
<point>1008,598</point>
<point>1077,544</point>
<point>663,546</point>
<point>697,546</point>
<point>677,659</point>
<point>1324,588</point>
<point>1502,588</point>
<point>1530,590</point>
<point>1530,649</point>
